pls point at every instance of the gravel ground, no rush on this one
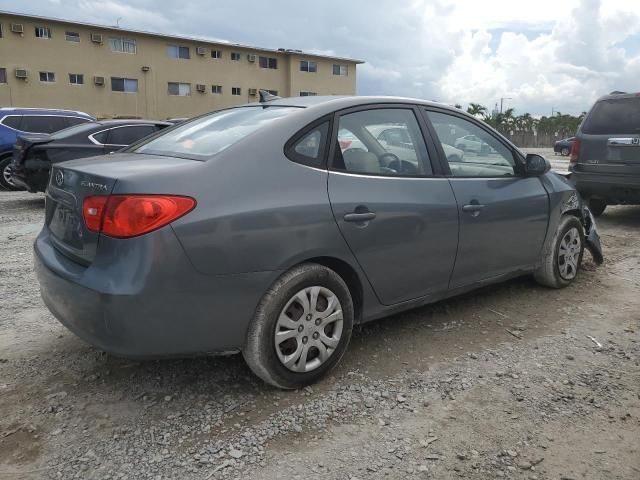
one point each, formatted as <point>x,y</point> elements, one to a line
<point>511,381</point>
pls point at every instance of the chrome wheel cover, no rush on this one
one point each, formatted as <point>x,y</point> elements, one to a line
<point>6,174</point>
<point>308,329</point>
<point>569,254</point>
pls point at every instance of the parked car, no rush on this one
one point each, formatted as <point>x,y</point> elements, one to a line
<point>605,158</point>
<point>34,155</point>
<point>20,121</point>
<point>563,147</point>
<point>471,143</point>
<point>254,229</point>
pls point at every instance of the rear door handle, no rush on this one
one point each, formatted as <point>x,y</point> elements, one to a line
<point>473,207</point>
<point>359,217</point>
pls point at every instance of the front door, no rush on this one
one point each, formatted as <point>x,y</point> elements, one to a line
<point>400,221</point>
<point>503,215</point>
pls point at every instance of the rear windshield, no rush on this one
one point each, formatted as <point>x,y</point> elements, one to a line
<point>614,117</point>
<point>205,136</point>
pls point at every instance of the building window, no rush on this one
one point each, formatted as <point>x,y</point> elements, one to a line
<point>129,85</point>
<point>0,30</point>
<point>179,89</point>
<point>176,51</point>
<point>307,66</point>
<point>3,75</point>
<point>308,94</point>
<point>47,77</point>
<point>235,56</point>
<point>72,37</point>
<point>122,45</point>
<point>76,79</point>
<point>43,32</point>
<point>216,89</point>
<point>341,70</point>
<point>216,54</point>
<point>268,62</point>
<point>236,91</point>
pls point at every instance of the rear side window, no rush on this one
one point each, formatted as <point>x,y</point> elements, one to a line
<point>309,149</point>
<point>614,116</point>
<point>208,135</point>
<point>13,121</point>
<point>129,135</point>
<point>71,121</point>
<point>42,123</point>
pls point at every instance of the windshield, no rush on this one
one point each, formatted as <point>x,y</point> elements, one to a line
<point>206,136</point>
<point>619,116</point>
<point>68,132</point>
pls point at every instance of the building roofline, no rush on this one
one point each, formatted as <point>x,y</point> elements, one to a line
<point>179,37</point>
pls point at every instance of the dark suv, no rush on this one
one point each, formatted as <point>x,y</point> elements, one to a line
<point>605,156</point>
<point>19,121</point>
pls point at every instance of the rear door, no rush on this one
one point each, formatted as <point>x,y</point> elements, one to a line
<point>398,217</point>
<point>503,215</point>
<point>610,135</point>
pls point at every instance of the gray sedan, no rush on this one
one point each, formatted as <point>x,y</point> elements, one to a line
<point>259,229</point>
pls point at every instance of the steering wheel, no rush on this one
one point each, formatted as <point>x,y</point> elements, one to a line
<point>392,158</point>
<point>397,165</point>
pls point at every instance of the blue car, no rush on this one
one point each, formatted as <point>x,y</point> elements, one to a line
<point>18,121</point>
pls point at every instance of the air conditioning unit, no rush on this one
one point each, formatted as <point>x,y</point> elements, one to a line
<point>201,88</point>
<point>251,57</point>
<point>253,91</point>
<point>201,51</point>
<point>17,28</point>
<point>98,80</point>
<point>21,73</point>
<point>96,37</point>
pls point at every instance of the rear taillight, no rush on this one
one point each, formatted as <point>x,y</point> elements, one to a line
<point>575,152</point>
<point>125,216</point>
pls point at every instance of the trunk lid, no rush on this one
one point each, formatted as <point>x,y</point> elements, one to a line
<point>71,182</point>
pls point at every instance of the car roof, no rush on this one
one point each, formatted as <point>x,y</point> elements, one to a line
<point>41,111</point>
<point>132,121</point>
<point>618,95</point>
<point>346,101</point>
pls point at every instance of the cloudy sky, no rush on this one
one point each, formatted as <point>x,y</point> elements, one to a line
<point>543,54</point>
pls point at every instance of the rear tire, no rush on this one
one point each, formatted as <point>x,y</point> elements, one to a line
<point>597,206</point>
<point>565,151</point>
<point>5,174</point>
<point>290,343</point>
<point>561,260</point>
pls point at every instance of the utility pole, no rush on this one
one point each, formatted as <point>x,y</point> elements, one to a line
<point>502,99</point>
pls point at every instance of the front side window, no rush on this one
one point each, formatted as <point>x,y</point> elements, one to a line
<point>122,45</point>
<point>236,91</point>
<point>206,136</point>
<point>180,89</point>
<point>268,62</point>
<point>43,32</point>
<point>76,78</point>
<point>128,85</point>
<point>235,56</point>
<point>72,37</point>
<point>47,77</point>
<point>360,150</point>
<point>216,54</point>
<point>42,123</point>
<point>177,51</point>
<point>310,149</point>
<point>308,66</point>
<point>3,75</point>
<point>341,70</point>
<point>470,150</point>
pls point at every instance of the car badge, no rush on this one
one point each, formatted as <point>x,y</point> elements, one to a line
<point>59,178</point>
<point>635,141</point>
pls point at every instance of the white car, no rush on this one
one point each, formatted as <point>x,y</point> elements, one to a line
<point>471,143</point>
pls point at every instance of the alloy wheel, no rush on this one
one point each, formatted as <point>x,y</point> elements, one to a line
<point>6,174</point>
<point>309,329</point>
<point>569,254</point>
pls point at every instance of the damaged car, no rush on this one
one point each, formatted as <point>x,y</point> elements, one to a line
<point>260,229</point>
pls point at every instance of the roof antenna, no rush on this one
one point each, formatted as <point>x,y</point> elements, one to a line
<point>266,96</point>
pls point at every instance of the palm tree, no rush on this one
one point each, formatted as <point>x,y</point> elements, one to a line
<point>476,109</point>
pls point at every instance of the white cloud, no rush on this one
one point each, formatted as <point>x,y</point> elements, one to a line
<point>543,53</point>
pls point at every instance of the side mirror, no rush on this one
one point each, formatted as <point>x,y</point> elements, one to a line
<point>536,165</point>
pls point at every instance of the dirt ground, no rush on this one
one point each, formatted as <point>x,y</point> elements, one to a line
<point>511,381</point>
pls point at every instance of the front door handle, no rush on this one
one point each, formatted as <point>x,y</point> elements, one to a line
<point>359,217</point>
<point>473,207</point>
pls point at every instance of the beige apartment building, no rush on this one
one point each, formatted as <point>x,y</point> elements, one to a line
<point>110,71</point>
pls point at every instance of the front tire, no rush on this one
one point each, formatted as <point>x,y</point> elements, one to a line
<point>301,327</point>
<point>5,175</point>
<point>565,151</point>
<point>597,206</point>
<point>562,259</point>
